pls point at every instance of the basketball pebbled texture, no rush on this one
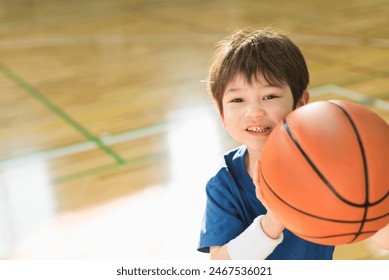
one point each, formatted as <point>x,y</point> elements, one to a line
<point>325,172</point>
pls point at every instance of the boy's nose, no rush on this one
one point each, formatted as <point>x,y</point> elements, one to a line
<point>255,111</point>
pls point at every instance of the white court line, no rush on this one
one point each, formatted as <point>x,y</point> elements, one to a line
<point>85,146</point>
<point>120,39</point>
<point>55,153</point>
<point>162,128</point>
<point>350,94</point>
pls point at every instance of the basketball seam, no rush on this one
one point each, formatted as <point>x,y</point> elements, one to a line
<point>365,167</point>
<point>312,215</point>
<point>317,171</point>
<point>339,235</point>
<point>363,156</point>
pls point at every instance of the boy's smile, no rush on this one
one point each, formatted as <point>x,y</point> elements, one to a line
<point>252,110</point>
<point>258,129</point>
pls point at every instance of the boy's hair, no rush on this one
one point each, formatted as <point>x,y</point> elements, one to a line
<point>251,53</point>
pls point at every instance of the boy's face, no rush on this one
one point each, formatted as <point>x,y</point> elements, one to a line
<point>250,112</point>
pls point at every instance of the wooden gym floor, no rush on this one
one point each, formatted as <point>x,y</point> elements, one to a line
<point>108,135</point>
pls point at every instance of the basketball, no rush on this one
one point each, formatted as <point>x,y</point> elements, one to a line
<point>325,172</point>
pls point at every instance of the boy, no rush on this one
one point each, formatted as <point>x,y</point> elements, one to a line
<point>257,78</point>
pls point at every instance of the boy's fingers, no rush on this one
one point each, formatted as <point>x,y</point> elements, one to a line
<point>256,179</point>
<point>257,173</point>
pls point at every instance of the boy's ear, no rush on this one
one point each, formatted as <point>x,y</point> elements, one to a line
<point>304,99</point>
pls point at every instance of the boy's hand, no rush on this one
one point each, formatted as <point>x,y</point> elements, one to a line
<point>271,225</point>
<point>381,238</point>
<point>256,180</point>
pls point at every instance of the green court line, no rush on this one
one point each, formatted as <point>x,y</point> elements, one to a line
<point>46,102</point>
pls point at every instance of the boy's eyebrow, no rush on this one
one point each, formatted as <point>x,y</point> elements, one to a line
<point>234,89</point>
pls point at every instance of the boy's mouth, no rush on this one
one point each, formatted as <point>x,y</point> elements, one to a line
<point>258,129</point>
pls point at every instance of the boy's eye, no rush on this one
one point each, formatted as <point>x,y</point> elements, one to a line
<point>237,100</point>
<point>270,96</point>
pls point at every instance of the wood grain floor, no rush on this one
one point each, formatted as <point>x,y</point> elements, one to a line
<point>108,135</point>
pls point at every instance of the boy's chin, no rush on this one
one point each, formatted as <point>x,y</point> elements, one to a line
<point>257,147</point>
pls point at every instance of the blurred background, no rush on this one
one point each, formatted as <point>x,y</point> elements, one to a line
<point>108,135</point>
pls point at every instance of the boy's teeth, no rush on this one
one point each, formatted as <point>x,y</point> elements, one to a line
<point>258,129</point>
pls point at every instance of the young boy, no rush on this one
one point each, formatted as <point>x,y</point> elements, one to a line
<point>257,78</point>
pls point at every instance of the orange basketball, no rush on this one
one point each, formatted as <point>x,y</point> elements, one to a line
<point>325,172</point>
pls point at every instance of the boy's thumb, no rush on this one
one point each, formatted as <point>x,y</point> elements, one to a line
<point>257,172</point>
